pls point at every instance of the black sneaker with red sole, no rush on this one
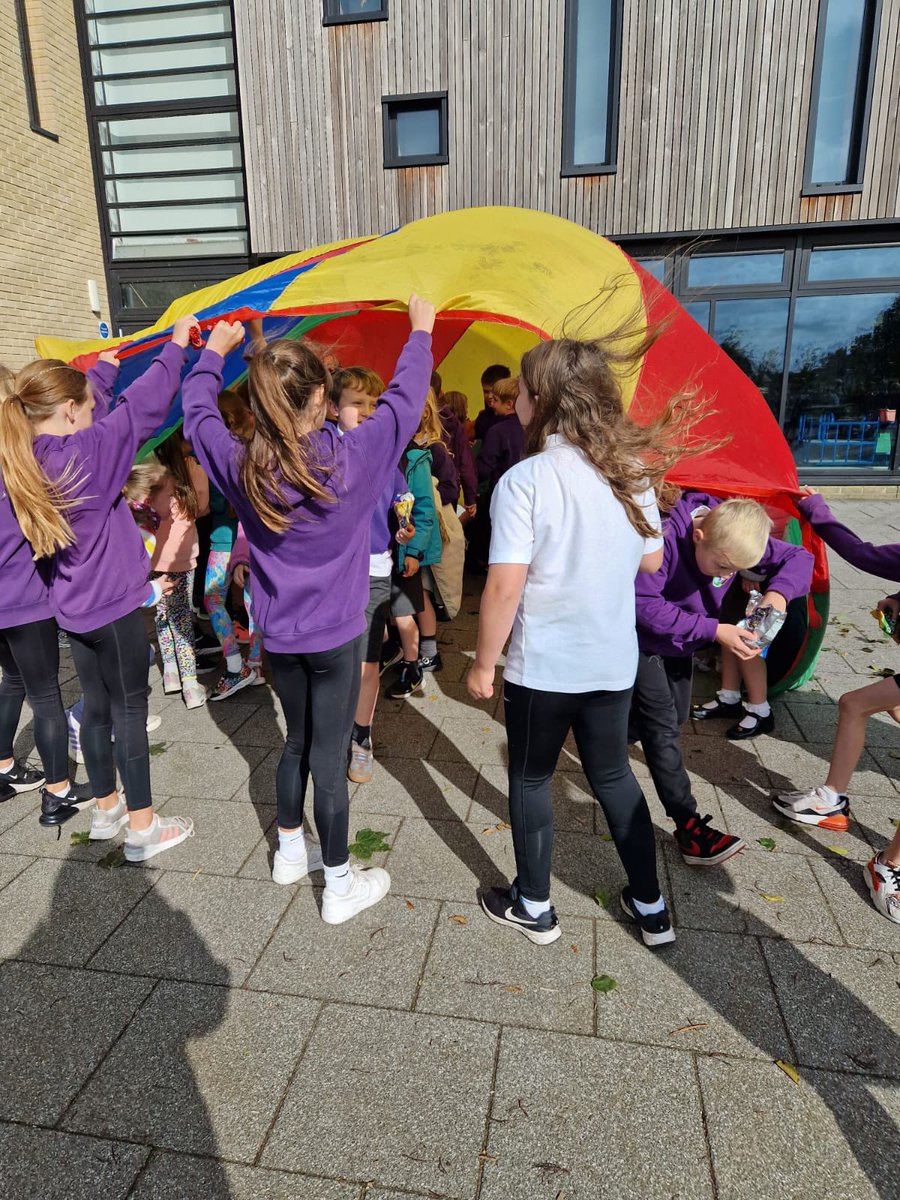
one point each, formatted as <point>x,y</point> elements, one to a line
<point>702,845</point>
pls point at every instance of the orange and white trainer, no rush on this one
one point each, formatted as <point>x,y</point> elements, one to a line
<point>884,887</point>
<point>820,806</point>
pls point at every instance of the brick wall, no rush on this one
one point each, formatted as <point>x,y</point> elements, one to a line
<point>49,232</point>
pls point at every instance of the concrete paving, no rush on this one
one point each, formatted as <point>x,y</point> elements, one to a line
<point>191,1030</point>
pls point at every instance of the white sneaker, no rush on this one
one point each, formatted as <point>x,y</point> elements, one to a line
<point>814,808</point>
<point>171,681</point>
<point>105,824</point>
<point>884,887</point>
<point>368,887</point>
<point>153,722</point>
<point>162,834</point>
<point>195,694</point>
<point>285,871</point>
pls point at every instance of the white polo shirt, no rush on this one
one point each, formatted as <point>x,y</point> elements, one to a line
<point>575,627</point>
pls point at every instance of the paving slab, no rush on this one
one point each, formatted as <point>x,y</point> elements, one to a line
<point>213,725</point>
<point>216,772</point>
<point>474,739</point>
<point>170,1176</point>
<point>201,1069</point>
<point>59,1166</point>
<point>407,734</point>
<point>16,810</point>
<point>755,892</point>
<point>449,859</point>
<point>860,922</point>
<point>409,787</point>
<point>376,958</point>
<point>719,761</point>
<point>61,912</point>
<point>477,969</point>
<point>772,1139</point>
<point>12,865</point>
<point>203,928</point>
<point>565,1114</point>
<point>840,1006</point>
<point>418,1125</point>
<point>225,834</point>
<point>56,1025</point>
<point>707,991</point>
<point>790,767</point>
<point>748,812</point>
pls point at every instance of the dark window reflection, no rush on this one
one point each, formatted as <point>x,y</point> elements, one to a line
<point>699,310</point>
<point>845,52</point>
<point>653,266</point>
<point>844,381</point>
<point>753,332</point>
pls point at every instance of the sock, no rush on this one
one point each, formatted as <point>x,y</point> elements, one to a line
<point>830,794</point>
<point>535,908</point>
<point>361,733</point>
<point>233,663</point>
<point>727,696</point>
<point>292,844</point>
<point>428,647</point>
<point>59,791</point>
<point>647,910</point>
<point>6,770</point>
<point>761,710</point>
<point>339,879</point>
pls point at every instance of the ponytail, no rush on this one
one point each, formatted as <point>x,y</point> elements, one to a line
<point>282,379</point>
<point>39,503</point>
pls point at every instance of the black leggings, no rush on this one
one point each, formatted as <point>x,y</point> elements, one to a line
<point>318,693</point>
<point>537,725</point>
<point>29,656</point>
<point>112,665</point>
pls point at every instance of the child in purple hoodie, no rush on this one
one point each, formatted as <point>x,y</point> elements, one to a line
<point>706,542</point>
<point>305,497</point>
<point>827,806</point>
<point>97,568</point>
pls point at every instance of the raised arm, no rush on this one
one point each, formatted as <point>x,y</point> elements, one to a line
<point>883,561</point>
<point>217,450</point>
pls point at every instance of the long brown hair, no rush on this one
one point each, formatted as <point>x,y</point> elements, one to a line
<point>40,503</point>
<point>173,458</point>
<point>282,379</point>
<point>458,403</point>
<point>575,390</point>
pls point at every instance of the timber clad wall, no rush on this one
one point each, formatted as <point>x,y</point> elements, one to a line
<point>49,231</point>
<point>712,121</point>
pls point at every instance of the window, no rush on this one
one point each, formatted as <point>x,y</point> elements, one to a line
<point>591,86</point>
<point>347,12</point>
<point>727,270</point>
<point>653,266</point>
<point>415,130</point>
<point>26,50</point>
<point>841,94</point>
<point>854,262</point>
<point>753,332</point>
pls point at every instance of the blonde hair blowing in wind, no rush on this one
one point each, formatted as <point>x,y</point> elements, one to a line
<point>575,390</point>
<point>39,503</point>
<point>430,429</point>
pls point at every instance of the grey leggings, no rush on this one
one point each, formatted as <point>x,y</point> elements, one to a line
<point>318,693</point>
<point>537,725</point>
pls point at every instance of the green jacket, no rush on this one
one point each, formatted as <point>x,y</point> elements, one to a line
<point>426,545</point>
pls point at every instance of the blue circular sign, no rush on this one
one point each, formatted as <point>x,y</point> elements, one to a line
<point>104,329</point>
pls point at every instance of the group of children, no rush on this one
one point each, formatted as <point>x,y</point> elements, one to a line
<point>338,499</point>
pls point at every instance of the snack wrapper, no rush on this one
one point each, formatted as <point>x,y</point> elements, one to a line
<point>403,506</point>
<point>887,624</point>
<point>763,621</point>
<point>147,520</point>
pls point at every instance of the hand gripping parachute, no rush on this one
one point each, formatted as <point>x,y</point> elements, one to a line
<point>501,279</point>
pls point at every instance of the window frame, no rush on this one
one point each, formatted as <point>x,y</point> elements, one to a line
<point>31,94</point>
<point>859,138</point>
<point>389,105</point>
<point>331,17</point>
<point>569,168</point>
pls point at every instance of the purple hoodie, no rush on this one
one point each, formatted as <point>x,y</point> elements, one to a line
<point>103,575</point>
<point>678,606</point>
<point>883,561</point>
<point>458,444</point>
<point>381,536</point>
<point>310,585</point>
<point>502,448</point>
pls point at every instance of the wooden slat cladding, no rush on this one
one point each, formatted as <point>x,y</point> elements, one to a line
<point>714,106</point>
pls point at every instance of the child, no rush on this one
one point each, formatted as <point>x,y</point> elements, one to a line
<point>485,418</point>
<point>828,804</point>
<point>572,525</point>
<point>239,574</point>
<point>454,414</point>
<point>67,493</point>
<point>445,493</point>
<point>178,501</point>
<point>305,497</point>
<point>418,546</point>
<point>502,447</point>
<point>706,543</point>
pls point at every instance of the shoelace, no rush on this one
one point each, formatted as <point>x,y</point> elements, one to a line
<point>702,830</point>
<point>893,874</point>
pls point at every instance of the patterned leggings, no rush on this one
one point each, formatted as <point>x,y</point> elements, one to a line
<point>175,625</point>
<point>214,597</point>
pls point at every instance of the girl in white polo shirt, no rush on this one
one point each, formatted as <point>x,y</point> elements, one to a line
<point>573,523</point>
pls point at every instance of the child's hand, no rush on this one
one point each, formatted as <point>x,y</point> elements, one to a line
<point>167,584</point>
<point>776,599</point>
<point>480,683</point>
<point>808,491</point>
<point>471,510</point>
<point>225,337</point>
<point>410,567</point>
<point>421,314</point>
<point>404,536</point>
<point>181,330</point>
<point>889,605</point>
<point>240,574</point>
<point>109,356</point>
<point>731,638</point>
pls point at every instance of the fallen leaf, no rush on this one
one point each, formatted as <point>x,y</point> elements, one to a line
<point>604,836</point>
<point>601,897</point>
<point>115,858</point>
<point>410,906</point>
<point>789,1069</point>
<point>838,850</point>
<point>157,748</point>
<point>895,821</point>
<point>82,838</point>
<point>766,843</point>
<point>503,825</point>
<point>513,989</point>
<point>574,947</point>
<point>369,842</point>
<point>458,920</point>
<point>603,983</point>
<point>490,829</point>
<point>689,1028</point>
<point>771,899</point>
